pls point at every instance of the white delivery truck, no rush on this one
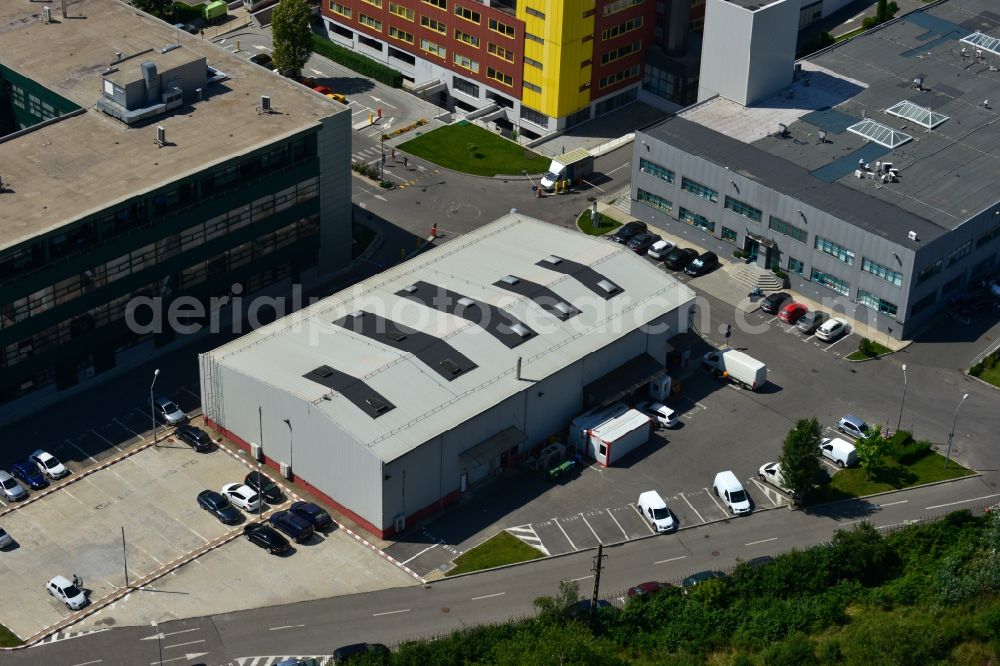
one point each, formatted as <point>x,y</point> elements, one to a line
<point>613,439</point>
<point>736,366</point>
<point>580,427</point>
<point>569,167</point>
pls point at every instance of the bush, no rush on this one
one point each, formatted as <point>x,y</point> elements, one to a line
<point>356,62</point>
<point>739,254</point>
<point>976,370</point>
<point>779,273</point>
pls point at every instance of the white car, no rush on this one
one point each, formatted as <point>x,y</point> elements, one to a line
<point>728,488</point>
<point>660,249</point>
<point>64,590</point>
<point>242,496</point>
<point>771,473</point>
<point>665,417</point>
<point>5,538</point>
<point>168,411</point>
<point>48,464</point>
<point>654,509</point>
<point>831,329</point>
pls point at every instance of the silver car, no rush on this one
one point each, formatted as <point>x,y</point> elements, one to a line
<point>12,490</point>
<point>168,411</point>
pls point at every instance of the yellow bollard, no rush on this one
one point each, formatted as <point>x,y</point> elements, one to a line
<point>237,45</point>
<point>371,118</point>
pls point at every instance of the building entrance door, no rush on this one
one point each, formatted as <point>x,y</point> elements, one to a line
<point>773,258</point>
<point>751,247</point>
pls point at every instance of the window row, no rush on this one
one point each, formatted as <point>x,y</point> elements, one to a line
<point>875,303</point>
<point>655,170</point>
<point>497,75</point>
<point>880,271</point>
<point>501,52</point>
<point>619,5</point>
<point>628,73</point>
<point>744,209</point>
<point>836,251</point>
<point>787,229</point>
<point>621,28</point>
<point>700,221</point>
<point>655,201</point>
<point>621,52</point>
<point>842,287</point>
<point>699,190</point>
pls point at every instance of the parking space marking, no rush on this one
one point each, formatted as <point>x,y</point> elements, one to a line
<point>104,439</point>
<point>115,419</point>
<point>646,522</point>
<point>692,508</point>
<point>624,533</point>
<point>527,534</point>
<point>395,612</point>
<point>714,501</point>
<point>591,529</point>
<point>71,496</point>
<point>769,493</point>
<point>92,459</point>
<point>200,640</point>
<point>837,342</point>
<point>672,559</point>
<point>577,580</point>
<point>572,545</point>
<point>87,663</point>
<point>489,596</point>
<point>191,393</point>
<point>974,499</point>
<point>754,543</point>
<point>431,547</point>
<point>287,626</point>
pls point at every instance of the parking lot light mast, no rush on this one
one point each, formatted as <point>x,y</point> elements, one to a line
<point>152,412</point>
<point>951,434</point>
<point>260,496</point>
<point>899,421</point>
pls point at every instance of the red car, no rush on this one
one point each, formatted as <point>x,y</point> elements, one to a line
<point>792,312</point>
<point>646,588</point>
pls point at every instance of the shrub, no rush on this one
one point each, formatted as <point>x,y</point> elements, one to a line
<point>868,348</point>
<point>796,649</point>
<point>356,62</point>
<point>739,254</point>
<point>913,452</point>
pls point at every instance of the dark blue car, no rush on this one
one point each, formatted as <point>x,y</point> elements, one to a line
<point>311,512</point>
<point>27,471</point>
<point>292,524</point>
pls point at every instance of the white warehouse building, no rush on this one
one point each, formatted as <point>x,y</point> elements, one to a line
<point>392,398</point>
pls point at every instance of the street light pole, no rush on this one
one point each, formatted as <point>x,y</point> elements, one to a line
<point>152,413</point>
<point>291,450</point>
<point>951,434</point>
<point>260,496</point>
<point>902,400</point>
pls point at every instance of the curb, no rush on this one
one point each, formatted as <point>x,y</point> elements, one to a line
<point>964,372</point>
<point>974,475</point>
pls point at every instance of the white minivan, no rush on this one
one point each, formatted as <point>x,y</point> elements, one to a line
<point>654,509</point>
<point>839,451</point>
<point>730,491</point>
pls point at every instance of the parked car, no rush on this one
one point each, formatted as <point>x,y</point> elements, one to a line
<point>772,303</point>
<point>695,579</point>
<point>323,90</point>
<point>702,264</point>
<point>266,537</point>
<point>64,590</point>
<point>5,538</point>
<point>679,257</point>
<point>755,562</point>
<point>28,472</point>
<point>995,288</point>
<point>263,484</point>
<point>792,312</point>
<point>582,608</point>
<point>654,509</point>
<point>48,464</point>
<point>839,451</point>
<point>663,415</point>
<point>196,438</point>
<point>624,233</point>
<point>852,425</point>
<point>640,243</point>
<point>647,588</point>
<point>831,329</point>
<point>242,496</point>
<point>729,489</point>
<point>660,249</point>
<point>771,473</point>
<point>186,27</point>
<point>168,412</point>
<point>262,59</point>
<point>347,652</point>
<point>292,524</point>
<point>218,506</point>
<point>10,488</point>
<point>811,320</point>
<point>312,512</point>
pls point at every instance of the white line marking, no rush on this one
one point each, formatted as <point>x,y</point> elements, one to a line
<point>66,491</point>
<point>422,552</point>
<point>627,164</point>
<point>646,522</point>
<point>174,633</point>
<point>692,508</point>
<point>287,626</point>
<point>591,529</point>
<point>92,459</point>
<point>754,543</point>
<point>129,429</point>
<point>167,647</point>
<point>489,596</point>
<point>96,661</point>
<point>895,503</point>
<point>405,610</point>
<point>106,440</point>
<point>617,523</point>
<point>575,580</point>
<point>571,544</point>
<point>672,559</point>
<point>842,338</point>
<point>715,501</point>
<point>974,499</point>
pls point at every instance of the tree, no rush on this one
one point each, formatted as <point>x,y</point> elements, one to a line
<point>870,448</point>
<point>292,36</point>
<point>155,7</point>
<point>799,461</point>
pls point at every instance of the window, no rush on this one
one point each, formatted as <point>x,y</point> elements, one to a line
<point>401,11</point>
<point>831,282</point>
<point>880,271</point>
<point>433,48</point>
<point>533,63</point>
<point>431,24</point>
<point>502,28</point>
<point>401,35</point>
<point>533,38</point>
<point>991,235</point>
<point>338,8</point>
<point>960,253</point>
<point>374,24</point>
<point>532,87</point>
<point>535,117</point>
<point>795,266</point>
<point>656,170</point>
<point>729,235</point>
<point>377,3</point>
<point>782,227</point>
<point>440,4</point>
<point>654,201</point>
<point>744,209</point>
<point>621,28</point>
<point>466,62</point>
<point>929,272</point>
<point>620,5</point>
<point>924,303</point>
<point>534,12</point>
<point>697,220</point>
<point>500,52</point>
<point>471,40</point>
<point>505,79</point>
<point>624,75</point>
<point>836,251</point>
<point>467,14</point>
<point>621,52</point>
<point>699,190</point>
<point>467,87</point>
<point>875,303</point>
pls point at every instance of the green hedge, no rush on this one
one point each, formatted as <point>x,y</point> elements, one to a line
<point>358,63</point>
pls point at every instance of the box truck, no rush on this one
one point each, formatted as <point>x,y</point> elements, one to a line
<point>612,440</point>
<point>736,366</point>
<point>571,166</point>
<point>580,427</point>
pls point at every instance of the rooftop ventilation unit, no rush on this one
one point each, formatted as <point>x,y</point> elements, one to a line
<point>918,82</point>
<point>161,136</point>
<point>510,279</point>
<point>410,288</point>
<point>265,105</point>
<point>46,15</point>
<point>323,371</point>
<point>466,302</point>
<point>521,330</point>
<point>450,367</point>
<point>552,259</point>
<point>822,136</point>
<point>912,236</point>
<point>565,308</point>
<point>378,406</point>
<point>357,313</point>
<point>782,130</point>
<point>608,286</point>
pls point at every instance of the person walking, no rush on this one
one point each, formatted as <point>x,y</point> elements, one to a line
<point>78,582</point>
<point>393,154</point>
<point>406,162</point>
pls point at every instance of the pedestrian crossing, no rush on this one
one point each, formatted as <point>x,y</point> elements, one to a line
<point>399,170</point>
<point>321,660</point>
<point>66,635</point>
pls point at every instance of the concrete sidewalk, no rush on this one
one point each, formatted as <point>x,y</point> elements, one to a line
<point>720,283</point>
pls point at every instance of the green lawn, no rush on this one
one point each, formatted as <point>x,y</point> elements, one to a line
<point>890,475</point>
<point>604,224</point>
<point>874,349</point>
<point>8,639</point>
<point>497,551</point>
<point>852,33</point>
<point>471,149</point>
<point>991,375</point>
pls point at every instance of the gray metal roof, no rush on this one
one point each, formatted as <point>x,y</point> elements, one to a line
<point>393,394</point>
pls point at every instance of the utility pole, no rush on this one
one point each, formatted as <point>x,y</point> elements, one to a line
<point>598,564</point>
<point>124,558</point>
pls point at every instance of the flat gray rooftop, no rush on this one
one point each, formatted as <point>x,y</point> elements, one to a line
<point>947,173</point>
<point>85,163</point>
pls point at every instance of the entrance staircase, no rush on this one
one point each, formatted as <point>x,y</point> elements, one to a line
<point>754,276</point>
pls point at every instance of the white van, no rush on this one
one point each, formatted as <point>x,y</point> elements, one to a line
<point>771,473</point>
<point>839,451</point>
<point>655,510</point>
<point>730,491</point>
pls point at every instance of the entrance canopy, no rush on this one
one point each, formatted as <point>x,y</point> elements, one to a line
<point>490,449</point>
